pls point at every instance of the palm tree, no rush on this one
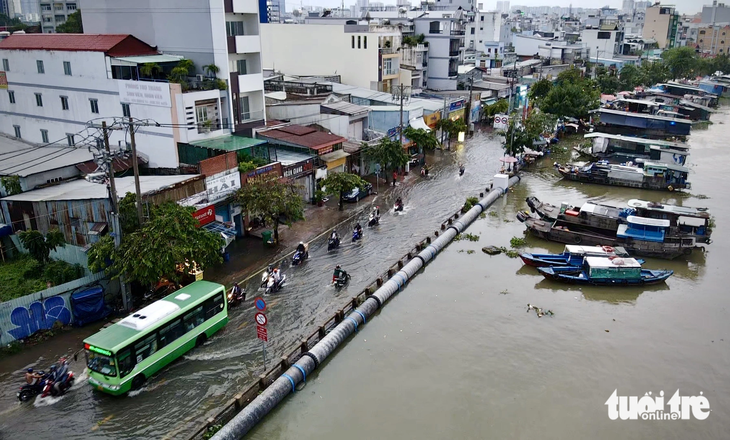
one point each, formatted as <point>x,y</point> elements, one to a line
<point>212,69</point>
<point>150,70</point>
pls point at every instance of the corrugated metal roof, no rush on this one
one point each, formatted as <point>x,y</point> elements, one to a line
<point>79,42</point>
<point>346,107</point>
<point>228,143</point>
<point>309,137</point>
<point>24,159</point>
<point>84,190</point>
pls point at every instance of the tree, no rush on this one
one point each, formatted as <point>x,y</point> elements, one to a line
<point>211,69</point>
<point>629,77</point>
<point>276,200</point>
<point>389,154</point>
<point>539,123</point>
<point>451,127</point>
<point>607,82</point>
<point>424,139</point>
<point>516,137</point>
<point>180,73</point>
<point>11,184</point>
<point>681,62</point>
<point>39,246</point>
<point>499,107</point>
<point>539,90</point>
<point>170,238</point>
<point>653,72</point>
<point>150,70</point>
<point>73,24</point>
<point>573,75</point>
<point>342,183</point>
<point>571,99</point>
<point>128,219</point>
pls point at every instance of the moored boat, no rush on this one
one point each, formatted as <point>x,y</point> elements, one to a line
<point>600,271</point>
<point>573,255</point>
<point>651,175</point>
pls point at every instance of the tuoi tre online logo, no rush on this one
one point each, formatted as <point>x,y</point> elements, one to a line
<point>650,407</point>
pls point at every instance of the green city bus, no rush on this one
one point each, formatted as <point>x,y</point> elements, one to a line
<point>124,355</point>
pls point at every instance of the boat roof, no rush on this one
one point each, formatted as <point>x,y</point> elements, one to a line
<point>603,262</point>
<point>637,101</point>
<point>669,166</point>
<point>648,221</point>
<point>673,209</point>
<point>588,250</point>
<point>682,151</point>
<point>644,116</point>
<point>637,140</point>
<point>598,209</point>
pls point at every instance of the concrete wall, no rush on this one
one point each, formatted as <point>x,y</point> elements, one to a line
<point>656,26</point>
<point>606,47</point>
<point>320,50</point>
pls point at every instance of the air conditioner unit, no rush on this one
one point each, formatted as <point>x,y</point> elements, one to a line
<point>199,77</point>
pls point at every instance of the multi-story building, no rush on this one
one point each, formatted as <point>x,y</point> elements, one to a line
<point>362,55</point>
<point>503,7</point>
<point>414,60</point>
<point>717,13</point>
<point>270,11</point>
<point>486,27</point>
<point>714,40</point>
<point>444,32</point>
<point>603,40</point>
<point>223,33</point>
<point>54,13</point>
<point>661,24</point>
<point>58,83</point>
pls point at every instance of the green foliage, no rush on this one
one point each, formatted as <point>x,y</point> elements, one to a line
<point>170,237</point>
<point>181,72</point>
<point>245,167</point>
<point>389,154</point>
<point>516,242</point>
<point>607,81</point>
<point>453,128</point>
<point>682,62</point>
<point>499,107</point>
<point>518,136</point>
<point>211,69</point>
<point>653,73</point>
<point>128,219</point>
<point>630,77</point>
<point>469,237</point>
<point>100,254</point>
<point>72,25</point>
<point>59,272</point>
<point>150,70</point>
<point>39,246</point>
<point>539,90</point>
<point>573,95</point>
<point>272,199</point>
<point>539,123</point>
<point>570,76</point>
<point>343,183</point>
<point>424,139</point>
<point>470,202</point>
<point>220,84</point>
<point>14,281</point>
<point>245,157</point>
<point>413,41</point>
<point>11,185</point>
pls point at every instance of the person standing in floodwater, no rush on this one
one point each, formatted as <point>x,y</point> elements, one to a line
<point>395,177</point>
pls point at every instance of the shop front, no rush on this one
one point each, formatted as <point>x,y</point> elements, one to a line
<point>302,174</point>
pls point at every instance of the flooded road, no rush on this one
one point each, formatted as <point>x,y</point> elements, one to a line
<point>182,395</point>
<point>457,355</point>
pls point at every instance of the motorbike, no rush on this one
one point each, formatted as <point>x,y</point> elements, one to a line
<point>333,243</point>
<point>374,220</point>
<point>265,277</point>
<point>299,257</point>
<point>59,381</point>
<point>341,281</point>
<point>29,391</point>
<point>234,300</point>
<point>272,286</point>
<point>461,171</point>
<point>356,235</point>
<point>398,206</point>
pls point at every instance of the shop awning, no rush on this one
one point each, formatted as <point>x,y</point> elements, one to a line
<point>334,156</point>
<point>227,232</point>
<point>419,123</point>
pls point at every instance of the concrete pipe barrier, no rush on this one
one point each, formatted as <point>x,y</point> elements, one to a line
<point>285,384</point>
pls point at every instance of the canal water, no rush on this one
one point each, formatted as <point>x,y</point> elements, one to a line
<point>455,354</point>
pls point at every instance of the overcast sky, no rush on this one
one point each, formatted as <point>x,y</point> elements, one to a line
<point>683,6</point>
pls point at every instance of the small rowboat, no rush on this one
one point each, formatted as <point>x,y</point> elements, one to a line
<point>573,256</point>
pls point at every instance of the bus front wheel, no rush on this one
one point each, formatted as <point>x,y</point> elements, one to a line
<point>201,340</point>
<point>138,382</point>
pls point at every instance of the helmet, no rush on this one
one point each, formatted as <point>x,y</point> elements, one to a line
<point>338,267</point>
<point>30,370</point>
<point>301,242</point>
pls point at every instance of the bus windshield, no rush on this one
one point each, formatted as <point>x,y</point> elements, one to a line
<point>101,363</point>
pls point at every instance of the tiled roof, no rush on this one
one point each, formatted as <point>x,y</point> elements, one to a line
<point>112,44</point>
<point>303,136</point>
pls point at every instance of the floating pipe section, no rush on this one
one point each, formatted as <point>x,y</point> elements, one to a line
<point>249,416</point>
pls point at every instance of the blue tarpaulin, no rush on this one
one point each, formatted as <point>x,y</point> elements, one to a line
<point>5,230</point>
<point>88,306</point>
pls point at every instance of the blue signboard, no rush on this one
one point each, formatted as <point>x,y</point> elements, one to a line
<point>456,105</point>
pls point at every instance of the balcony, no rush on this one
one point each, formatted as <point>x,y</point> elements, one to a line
<point>453,73</point>
<point>240,7</point>
<point>454,52</point>
<point>458,32</point>
<point>251,82</point>
<point>247,44</point>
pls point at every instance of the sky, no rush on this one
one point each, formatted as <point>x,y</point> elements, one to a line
<point>683,6</point>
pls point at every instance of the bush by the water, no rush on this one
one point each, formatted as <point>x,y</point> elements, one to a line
<point>470,202</point>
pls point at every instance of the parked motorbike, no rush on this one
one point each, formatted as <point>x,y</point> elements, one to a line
<point>28,391</point>
<point>341,281</point>
<point>272,286</point>
<point>333,243</point>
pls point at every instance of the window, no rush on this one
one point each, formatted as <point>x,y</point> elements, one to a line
<point>213,306</point>
<point>365,42</point>
<point>39,66</point>
<point>47,19</point>
<point>44,136</point>
<point>169,333</point>
<point>234,28</point>
<point>11,96</point>
<point>94,105</point>
<point>70,6</point>
<point>353,41</point>
<point>241,67</point>
<point>473,30</point>
<point>245,110</point>
<point>17,131</point>
<point>604,36</point>
<point>146,347</point>
<point>489,50</point>
<point>194,318</point>
<point>389,67</point>
<point>482,18</point>
<point>6,65</point>
<point>58,7</point>
<point>70,139</point>
<point>201,114</point>
<point>358,41</point>
<point>60,18</point>
<point>125,111</point>
<point>45,7</point>
<point>125,361</point>
<point>434,27</point>
<point>39,100</point>
<point>64,102</point>
<point>67,68</point>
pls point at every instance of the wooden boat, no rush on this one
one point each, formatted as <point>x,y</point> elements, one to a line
<point>636,236</point>
<point>683,221</point>
<point>573,255</point>
<point>620,149</point>
<point>601,271</point>
<point>652,175</point>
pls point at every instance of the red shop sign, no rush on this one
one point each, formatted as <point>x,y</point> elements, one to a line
<point>205,215</point>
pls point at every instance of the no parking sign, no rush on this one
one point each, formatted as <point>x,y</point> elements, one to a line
<point>501,122</point>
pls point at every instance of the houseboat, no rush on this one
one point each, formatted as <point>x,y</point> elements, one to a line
<point>618,149</point>
<point>650,175</point>
<point>601,271</point>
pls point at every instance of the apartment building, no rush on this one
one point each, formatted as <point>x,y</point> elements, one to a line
<point>57,83</point>
<point>362,55</point>
<point>54,13</point>
<point>444,32</point>
<point>603,40</point>
<point>224,33</point>
<point>661,24</point>
<point>714,40</point>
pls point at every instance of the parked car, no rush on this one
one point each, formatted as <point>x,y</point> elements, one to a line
<point>358,194</point>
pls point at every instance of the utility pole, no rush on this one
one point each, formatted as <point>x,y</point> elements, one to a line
<point>444,116</point>
<point>468,103</point>
<point>400,93</point>
<point>135,165</point>
<point>112,185</point>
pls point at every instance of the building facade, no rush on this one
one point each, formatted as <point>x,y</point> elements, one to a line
<point>603,40</point>
<point>54,13</point>
<point>444,33</point>
<point>714,40</point>
<point>224,33</point>
<point>661,24</point>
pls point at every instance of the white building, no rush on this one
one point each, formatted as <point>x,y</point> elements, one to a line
<point>603,40</point>
<point>55,88</point>
<point>223,33</point>
<point>503,7</point>
<point>444,32</point>
<point>486,28</point>
<point>54,13</point>
<point>362,55</point>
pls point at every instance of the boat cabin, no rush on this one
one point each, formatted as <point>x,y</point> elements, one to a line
<point>595,251</point>
<point>614,267</point>
<point>642,228</point>
<point>623,148</point>
<point>688,220</point>
<point>671,173</point>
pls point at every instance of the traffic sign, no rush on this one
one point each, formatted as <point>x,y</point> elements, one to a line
<point>261,333</point>
<point>261,319</point>
<point>260,304</point>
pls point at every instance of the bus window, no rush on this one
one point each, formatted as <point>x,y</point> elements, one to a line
<point>194,318</point>
<point>125,361</point>
<point>146,347</point>
<point>170,332</point>
<point>100,363</point>
<point>213,306</point>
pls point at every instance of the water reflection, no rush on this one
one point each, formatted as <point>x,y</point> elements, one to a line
<point>609,294</point>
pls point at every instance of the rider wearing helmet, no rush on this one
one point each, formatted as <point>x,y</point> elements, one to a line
<point>338,274</point>
<point>301,248</point>
<point>334,235</point>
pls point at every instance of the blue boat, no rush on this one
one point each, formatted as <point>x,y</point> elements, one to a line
<point>573,255</point>
<point>601,271</point>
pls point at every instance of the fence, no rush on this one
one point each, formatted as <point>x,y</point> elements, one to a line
<point>22,317</point>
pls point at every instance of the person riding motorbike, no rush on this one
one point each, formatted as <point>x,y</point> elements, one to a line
<point>236,292</point>
<point>301,248</point>
<point>358,229</point>
<point>31,377</point>
<point>334,236</point>
<point>339,274</point>
<point>277,275</point>
<point>399,201</point>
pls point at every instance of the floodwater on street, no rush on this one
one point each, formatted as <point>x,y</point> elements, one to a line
<point>457,354</point>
